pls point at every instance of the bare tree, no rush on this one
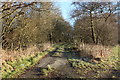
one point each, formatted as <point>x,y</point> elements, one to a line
<point>92,12</point>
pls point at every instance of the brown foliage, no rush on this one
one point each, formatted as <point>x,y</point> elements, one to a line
<point>94,51</point>
<point>31,50</point>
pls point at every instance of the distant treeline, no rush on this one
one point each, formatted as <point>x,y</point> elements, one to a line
<point>96,22</point>
<point>32,23</point>
<point>25,24</point>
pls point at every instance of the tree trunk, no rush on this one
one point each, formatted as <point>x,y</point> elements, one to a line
<point>3,35</point>
<point>92,28</point>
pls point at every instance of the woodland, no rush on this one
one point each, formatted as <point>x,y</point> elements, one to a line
<point>35,36</point>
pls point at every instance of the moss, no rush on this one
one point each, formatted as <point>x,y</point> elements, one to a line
<point>46,71</point>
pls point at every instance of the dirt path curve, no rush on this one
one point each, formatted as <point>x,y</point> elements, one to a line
<point>60,64</point>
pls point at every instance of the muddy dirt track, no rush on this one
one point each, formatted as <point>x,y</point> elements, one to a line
<point>58,61</point>
<point>62,67</point>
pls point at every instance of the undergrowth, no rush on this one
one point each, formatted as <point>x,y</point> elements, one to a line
<point>98,70</point>
<point>12,69</point>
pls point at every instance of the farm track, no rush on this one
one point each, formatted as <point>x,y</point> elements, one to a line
<point>61,65</point>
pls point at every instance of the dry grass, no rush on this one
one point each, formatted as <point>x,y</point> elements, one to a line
<point>0,58</point>
<point>97,51</point>
<point>13,55</point>
<point>46,46</point>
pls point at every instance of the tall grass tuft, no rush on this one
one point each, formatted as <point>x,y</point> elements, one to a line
<point>96,51</point>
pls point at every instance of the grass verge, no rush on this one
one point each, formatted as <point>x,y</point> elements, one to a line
<point>105,69</point>
<point>11,69</point>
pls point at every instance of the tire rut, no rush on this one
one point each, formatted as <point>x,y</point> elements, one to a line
<point>60,64</point>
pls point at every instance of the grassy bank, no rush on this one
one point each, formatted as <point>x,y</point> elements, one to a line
<point>108,68</point>
<point>11,69</point>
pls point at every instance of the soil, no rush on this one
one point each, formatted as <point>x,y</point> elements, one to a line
<point>62,67</point>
